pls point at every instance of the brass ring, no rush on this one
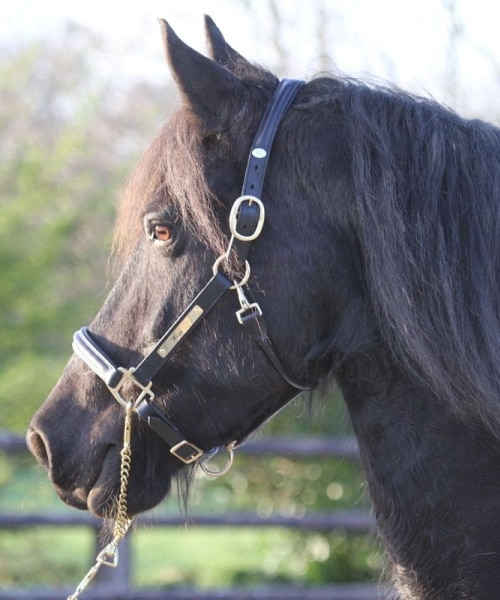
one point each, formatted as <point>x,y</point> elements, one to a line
<point>244,279</point>
<point>217,473</point>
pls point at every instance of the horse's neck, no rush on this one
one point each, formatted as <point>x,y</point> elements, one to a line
<point>434,481</point>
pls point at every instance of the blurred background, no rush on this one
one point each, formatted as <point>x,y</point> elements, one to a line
<point>83,88</point>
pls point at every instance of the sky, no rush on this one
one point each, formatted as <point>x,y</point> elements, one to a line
<point>407,43</point>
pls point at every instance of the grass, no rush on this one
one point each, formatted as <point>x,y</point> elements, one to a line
<point>45,556</point>
<point>202,557</point>
<point>58,557</point>
<point>210,558</point>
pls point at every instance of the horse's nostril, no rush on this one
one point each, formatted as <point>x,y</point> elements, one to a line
<point>38,448</point>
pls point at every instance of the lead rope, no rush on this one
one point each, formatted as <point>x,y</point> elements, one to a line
<point>109,555</point>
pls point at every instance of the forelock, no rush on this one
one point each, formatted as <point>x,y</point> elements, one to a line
<point>172,166</point>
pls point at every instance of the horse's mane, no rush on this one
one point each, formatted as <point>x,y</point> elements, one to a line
<point>427,193</point>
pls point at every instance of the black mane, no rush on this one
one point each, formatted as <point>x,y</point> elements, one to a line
<point>427,196</point>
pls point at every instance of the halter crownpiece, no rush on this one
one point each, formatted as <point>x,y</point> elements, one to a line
<point>246,222</point>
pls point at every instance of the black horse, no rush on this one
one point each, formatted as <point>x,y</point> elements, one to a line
<point>377,267</point>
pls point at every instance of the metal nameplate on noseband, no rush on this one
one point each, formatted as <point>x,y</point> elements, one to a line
<point>217,286</point>
<point>180,331</point>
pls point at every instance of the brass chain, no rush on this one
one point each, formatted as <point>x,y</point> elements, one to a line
<point>109,555</point>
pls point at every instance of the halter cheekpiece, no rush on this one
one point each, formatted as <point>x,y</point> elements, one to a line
<point>246,222</point>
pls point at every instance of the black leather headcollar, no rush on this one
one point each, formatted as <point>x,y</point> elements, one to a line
<point>246,221</point>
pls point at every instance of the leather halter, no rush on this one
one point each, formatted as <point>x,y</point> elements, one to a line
<point>246,222</point>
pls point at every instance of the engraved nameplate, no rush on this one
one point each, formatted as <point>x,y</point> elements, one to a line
<point>180,331</point>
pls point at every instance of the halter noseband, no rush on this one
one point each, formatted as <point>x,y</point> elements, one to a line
<point>246,221</point>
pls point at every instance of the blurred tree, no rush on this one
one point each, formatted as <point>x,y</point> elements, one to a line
<point>69,137</point>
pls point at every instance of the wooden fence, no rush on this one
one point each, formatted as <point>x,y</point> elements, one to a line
<point>115,584</point>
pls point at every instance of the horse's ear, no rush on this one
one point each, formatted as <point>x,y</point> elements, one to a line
<point>220,50</point>
<point>205,85</point>
<point>227,56</point>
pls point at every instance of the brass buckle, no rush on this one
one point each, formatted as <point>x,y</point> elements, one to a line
<point>195,455</point>
<point>233,218</point>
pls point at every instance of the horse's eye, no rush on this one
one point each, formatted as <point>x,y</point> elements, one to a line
<point>162,228</point>
<point>163,233</point>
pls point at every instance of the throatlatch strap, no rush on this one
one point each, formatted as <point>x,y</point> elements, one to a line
<point>258,330</point>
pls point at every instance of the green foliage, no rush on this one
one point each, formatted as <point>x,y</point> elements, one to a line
<point>68,141</point>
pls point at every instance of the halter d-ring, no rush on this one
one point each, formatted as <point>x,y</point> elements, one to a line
<point>244,279</point>
<point>204,465</point>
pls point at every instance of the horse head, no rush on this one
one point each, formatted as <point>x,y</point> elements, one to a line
<point>175,232</point>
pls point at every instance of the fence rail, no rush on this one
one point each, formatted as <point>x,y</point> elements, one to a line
<point>350,521</point>
<point>304,447</point>
<point>278,592</point>
<point>117,585</point>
